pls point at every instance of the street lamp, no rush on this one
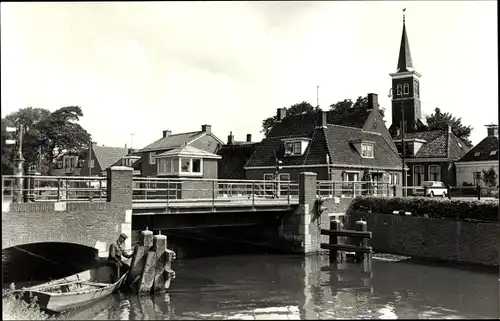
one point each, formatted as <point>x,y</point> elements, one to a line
<point>399,93</point>
<point>18,162</point>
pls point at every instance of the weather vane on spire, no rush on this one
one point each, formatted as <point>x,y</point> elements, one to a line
<point>404,14</point>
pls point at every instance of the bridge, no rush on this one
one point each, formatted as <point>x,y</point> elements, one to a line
<point>91,211</point>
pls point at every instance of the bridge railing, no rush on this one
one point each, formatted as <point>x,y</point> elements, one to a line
<point>53,188</point>
<point>174,189</point>
<point>353,189</point>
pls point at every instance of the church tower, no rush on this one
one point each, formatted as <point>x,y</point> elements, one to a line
<point>405,91</point>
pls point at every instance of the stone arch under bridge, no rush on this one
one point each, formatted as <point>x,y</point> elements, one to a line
<point>70,238</point>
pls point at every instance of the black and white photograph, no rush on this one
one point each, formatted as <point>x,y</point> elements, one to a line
<point>250,160</point>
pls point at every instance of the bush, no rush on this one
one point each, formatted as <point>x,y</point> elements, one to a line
<point>14,308</point>
<point>430,207</point>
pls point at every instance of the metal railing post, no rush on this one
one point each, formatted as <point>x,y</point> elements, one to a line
<point>253,193</point>
<point>213,195</point>
<point>66,189</point>
<point>58,189</point>
<point>168,195</point>
<point>289,192</point>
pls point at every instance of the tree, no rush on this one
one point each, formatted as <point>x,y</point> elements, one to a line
<point>490,177</point>
<point>296,109</point>
<point>439,120</point>
<point>306,108</point>
<point>346,104</point>
<point>46,135</point>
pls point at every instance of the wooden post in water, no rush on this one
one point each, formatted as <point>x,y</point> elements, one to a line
<point>363,257</point>
<point>160,248</point>
<point>137,262</point>
<point>336,256</point>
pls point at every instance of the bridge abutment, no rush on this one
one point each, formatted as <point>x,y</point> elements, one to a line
<point>93,224</point>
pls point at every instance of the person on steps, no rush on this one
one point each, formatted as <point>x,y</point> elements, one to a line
<point>116,251</point>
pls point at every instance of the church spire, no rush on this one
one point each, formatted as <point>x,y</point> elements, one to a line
<point>404,61</point>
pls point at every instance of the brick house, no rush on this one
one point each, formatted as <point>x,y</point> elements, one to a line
<point>430,155</point>
<point>481,157</point>
<point>348,146</point>
<point>235,154</point>
<point>204,140</point>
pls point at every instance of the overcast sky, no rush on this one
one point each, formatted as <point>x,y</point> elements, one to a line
<point>144,67</point>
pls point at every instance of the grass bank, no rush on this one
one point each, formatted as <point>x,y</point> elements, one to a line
<point>14,308</point>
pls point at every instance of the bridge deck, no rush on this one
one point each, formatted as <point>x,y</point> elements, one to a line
<point>208,205</point>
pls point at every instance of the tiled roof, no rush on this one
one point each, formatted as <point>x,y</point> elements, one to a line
<point>343,152</point>
<point>173,141</point>
<point>484,148</point>
<point>333,140</point>
<point>107,156</point>
<point>437,143</point>
<point>233,159</point>
<point>304,124</point>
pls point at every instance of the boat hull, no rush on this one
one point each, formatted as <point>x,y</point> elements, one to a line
<point>74,291</point>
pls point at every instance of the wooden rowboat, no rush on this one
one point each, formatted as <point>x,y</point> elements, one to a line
<point>74,290</point>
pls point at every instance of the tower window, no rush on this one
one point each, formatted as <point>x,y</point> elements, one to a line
<point>399,90</point>
<point>416,89</point>
<point>406,89</point>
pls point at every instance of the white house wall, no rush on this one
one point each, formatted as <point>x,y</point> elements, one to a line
<point>465,170</point>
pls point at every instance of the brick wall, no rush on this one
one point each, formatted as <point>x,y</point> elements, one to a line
<point>93,224</point>
<point>432,238</point>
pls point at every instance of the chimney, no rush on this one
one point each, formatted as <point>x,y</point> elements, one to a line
<point>230,138</point>
<point>372,101</point>
<point>281,113</point>
<point>492,130</point>
<point>249,138</point>
<point>449,129</point>
<point>322,122</point>
<point>206,128</point>
<point>167,133</point>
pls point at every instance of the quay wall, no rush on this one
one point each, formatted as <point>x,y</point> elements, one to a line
<point>431,238</point>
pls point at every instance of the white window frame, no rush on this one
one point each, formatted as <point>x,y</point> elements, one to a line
<point>299,144</point>
<point>288,148</point>
<point>152,159</point>
<point>415,175</point>
<point>406,89</point>
<point>476,154</point>
<point>477,178</point>
<point>416,89</point>
<point>365,147</point>
<point>438,173</point>
<point>493,152</point>
<point>268,177</point>
<point>399,90</point>
<point>190,171</point>
<point>345,176</point>
<point>91,163</point>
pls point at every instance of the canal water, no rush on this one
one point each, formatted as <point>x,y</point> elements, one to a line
<point>247,287</point>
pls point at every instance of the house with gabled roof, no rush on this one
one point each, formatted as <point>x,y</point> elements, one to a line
<point>429,155</point>
<point>203,140</point>
<point>101,158</point>
<point>483,156</point>
<point>350,146</point>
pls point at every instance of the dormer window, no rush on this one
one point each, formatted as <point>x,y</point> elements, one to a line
<point>366,150</point>
<point>295,146</point>
<point>494,152</point>
<point>476,154</point>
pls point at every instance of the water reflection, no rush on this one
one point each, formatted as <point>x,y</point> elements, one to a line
<point>292,287</point>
